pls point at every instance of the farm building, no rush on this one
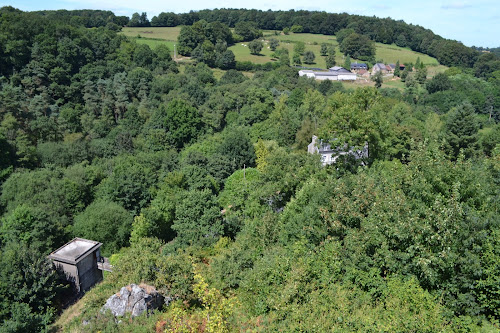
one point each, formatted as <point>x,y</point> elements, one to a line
<point>334,74</point>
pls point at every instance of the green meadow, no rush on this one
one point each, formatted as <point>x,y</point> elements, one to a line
<point>154,36</point>
<point>165,33</point>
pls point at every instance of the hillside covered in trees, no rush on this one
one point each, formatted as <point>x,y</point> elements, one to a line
<point>202,186</point>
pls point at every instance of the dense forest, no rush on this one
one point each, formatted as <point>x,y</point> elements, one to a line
<point>201,185</point>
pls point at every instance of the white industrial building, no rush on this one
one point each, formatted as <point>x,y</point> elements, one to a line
<point>335,73</point>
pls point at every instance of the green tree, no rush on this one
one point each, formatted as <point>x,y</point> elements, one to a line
<point>157,219</point>
<point>217,32</point>
<point>309,57</point>
<point>28,288</point>
<point>180,121</point>
<point>205,52</point>
<point>330,61</point>
<point>134,20</point>
<point>24,319</point>
<point>421,76</point>
<point>440,82</point>
<point>401,41</point>
<point>296,59</point>
<point>343,33</point>
<point>378,79</point>
<point>39,189</point>
<point>128,183</point>
<point>324,49</point>
<point>359,46</point>
<point>296,28</point>
<point>237,146</point>
<point>487,288</point>
<point>347,62</point>
<point>197,219</point>
<point>273,44</point>
<point>461,131</point>
<point>247,30</point>
<point>188,40</point>
<point>255,46</point>
<point>405,74</point>
<point>331,49</point>
<point>299,47</point>
<point>325,86</point>
<point>397,70</point>
<point>106,222</point>
<point>225,60</point>
<point>284,58</point>
<point>31,226</point>
<point>139,20</point>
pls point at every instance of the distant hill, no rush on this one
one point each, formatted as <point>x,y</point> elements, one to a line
<point>381,30</point>
<point>154,36</point>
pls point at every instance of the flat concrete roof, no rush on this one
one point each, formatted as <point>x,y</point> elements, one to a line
<point>75,250</point>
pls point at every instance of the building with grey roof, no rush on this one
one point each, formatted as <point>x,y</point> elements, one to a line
<point>335,73</point>
<point>78,260</point>
<point>379,67</point>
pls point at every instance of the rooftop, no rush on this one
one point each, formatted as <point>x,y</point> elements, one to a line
<point>334,71</point>
<point>75,250</point>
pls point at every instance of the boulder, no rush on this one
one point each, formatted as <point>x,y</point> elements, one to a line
<point>135,300</point>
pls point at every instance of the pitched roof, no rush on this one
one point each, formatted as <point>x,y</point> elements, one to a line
<point>359,66</point>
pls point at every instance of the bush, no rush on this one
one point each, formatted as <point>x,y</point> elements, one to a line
<point>244,66</point>
<point>106,222</point>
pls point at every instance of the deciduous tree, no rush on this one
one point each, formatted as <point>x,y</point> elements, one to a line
<point>255,46</point>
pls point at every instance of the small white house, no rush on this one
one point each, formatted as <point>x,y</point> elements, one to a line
<point>330,155</point>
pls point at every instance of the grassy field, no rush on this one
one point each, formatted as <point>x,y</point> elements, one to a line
<point>169,34</point>
<point>153,43</point>
<point>393,83</point>
<point>154,36</point>
<point>242,53</point>
<point>392,53</point>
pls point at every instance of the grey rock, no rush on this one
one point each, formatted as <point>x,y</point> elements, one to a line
<point>135,300</point>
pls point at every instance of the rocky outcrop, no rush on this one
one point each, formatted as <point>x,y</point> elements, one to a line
<point>135,300</point>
